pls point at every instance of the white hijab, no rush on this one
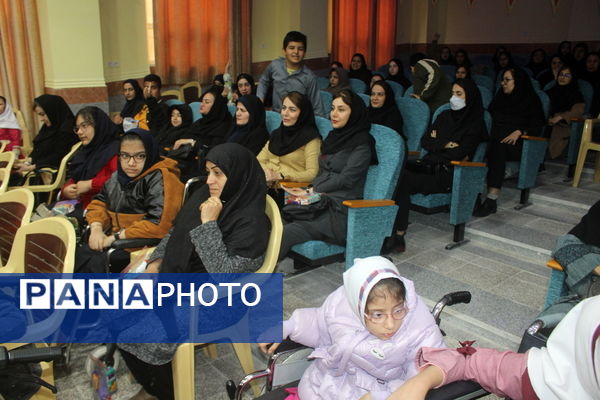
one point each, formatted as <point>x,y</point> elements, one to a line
<point>362,276</point>
<point>8,119</point>
<point>567,369</point>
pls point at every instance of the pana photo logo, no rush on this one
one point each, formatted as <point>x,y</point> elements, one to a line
<point>138,294</point>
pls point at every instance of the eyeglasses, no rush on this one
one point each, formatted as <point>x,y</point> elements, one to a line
<point>378,317</point>
<point>564,75</point>
<point>139,157</point>
<point>507,79</point>
<point>82,125</point>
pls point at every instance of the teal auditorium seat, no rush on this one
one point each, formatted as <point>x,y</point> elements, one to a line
<point>409,90</point>
<point>532,156</point>
<point>366,98</point>
<point>415,114</point>
<point>396,87</point>
<point>174,102</point>
<point>326,99</point>
<point>273,120</point>
<point>469,178</point>
<point>232,109</point>
<point>449,71</point>
<point>371,220</point>
<point>358,86</point>
<point>486,96</point>
<point>485,81</point>
<point>577,126</point>
<point>195,107</point>
<point>322,82</point>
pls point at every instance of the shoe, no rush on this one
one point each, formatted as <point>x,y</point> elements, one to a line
<point>488,207</point>
<point>571,171</point>
<point>393,244</point>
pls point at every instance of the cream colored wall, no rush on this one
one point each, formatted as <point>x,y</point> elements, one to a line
<point>71,43</point>
<point>272,19</point>
<point>124,46</point>
<point>491,21</point>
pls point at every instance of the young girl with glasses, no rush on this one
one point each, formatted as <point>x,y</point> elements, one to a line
<point>365,335</point>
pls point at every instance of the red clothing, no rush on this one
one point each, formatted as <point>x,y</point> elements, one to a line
<point>12,135</point>
<point>97,181</point>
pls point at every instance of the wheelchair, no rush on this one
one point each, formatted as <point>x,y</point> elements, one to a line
<point>286,366</point>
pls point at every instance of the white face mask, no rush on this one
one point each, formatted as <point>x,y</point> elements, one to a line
<point>456,103</point>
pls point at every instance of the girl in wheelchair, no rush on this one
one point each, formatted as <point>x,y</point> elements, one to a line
<point>365,335</point>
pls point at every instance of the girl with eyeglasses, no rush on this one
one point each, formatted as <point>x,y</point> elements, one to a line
<point>96,159</point>
<point>139,201</point>
<point>365,335</point>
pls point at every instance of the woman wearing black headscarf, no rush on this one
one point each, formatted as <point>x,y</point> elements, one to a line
<point>244,84</point>
<point>383,109</point>
<point>338,81</point>
<point>592,75</point>
<point>96,159</point>
<point>207,132</point>
<point>537,62</point>
<point>516,111</point>
<point>454,136</point>
<point>135,104</point>
<point>359,70</point>
<point>55,138</point>
<point>292,153</point>
<point>566,102</point>
<point>396,73</point>
<point>250,129</point>
<point>346,154</point>
<point>139,201</point>
<point>181,118</point>
<point>550,74</point>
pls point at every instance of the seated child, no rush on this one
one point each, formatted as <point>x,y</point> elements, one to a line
<point>365,335</point>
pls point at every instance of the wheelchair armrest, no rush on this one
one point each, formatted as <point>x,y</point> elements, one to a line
<point>449,300</point>
<point>456,390</point>
<point>540,139</point>
<point>134,243</point>
<point>368,203</point>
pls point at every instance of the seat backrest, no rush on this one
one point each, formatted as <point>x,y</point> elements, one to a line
<point>326,99</point>
<point>16,207</point>
<point>7,159</point>
<point>195,107</point>
<point>232,109</point>
<point>272,253</point>
<point>172,94</point>
<point>391,152</point>
<point>449,71</point>
<point>396,87</point>
<point>46,245</point>
<point>366,98</point>
<point>409,90</point>
<point>415,114</point>
<point>174,102</point>
<point>324,126</point>
<point>358,86</point>
<point>485,81</point>
<point>486,96</point>
<point>439,110</point>
<point>273,120</point>
<point>322,82</point>
<point>545,100</point>
<point>535,84</point>
<point>190,91</point>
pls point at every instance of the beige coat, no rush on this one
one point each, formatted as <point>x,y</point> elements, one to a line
<point>562,130</point>
<point>301,165</point>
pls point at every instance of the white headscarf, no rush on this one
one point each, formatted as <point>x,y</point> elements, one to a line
<point>8,119</point>
<point>362,276</point>
<point>567,369</point>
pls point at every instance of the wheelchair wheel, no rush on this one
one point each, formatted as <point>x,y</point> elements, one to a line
<point>97,353</point>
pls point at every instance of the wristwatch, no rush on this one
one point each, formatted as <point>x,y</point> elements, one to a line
<point>117,235</point>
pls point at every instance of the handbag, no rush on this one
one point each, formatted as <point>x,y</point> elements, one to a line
<point>425,167</point>
<point>305,212</point>
<point>182,152</point>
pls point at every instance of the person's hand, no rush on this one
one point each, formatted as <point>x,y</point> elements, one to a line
<point>234,96</point>
<point>147,92</point>
<point>182,142</point>
<point>451,145</point>
<point>433,133</point>
<point>268,348</point>
<point>154,267</point>
<point>108,240</point>
<point>24,168</point>
<point>555,120</point>
<point>210,209</point>
<point>512,138</point>
<point>416,388</point>
<point>83,187</point>
<point>117,119</point>
<point>70,192</point>
<point>96,240</point>
<point>272,176</point>
<point>416,96</point>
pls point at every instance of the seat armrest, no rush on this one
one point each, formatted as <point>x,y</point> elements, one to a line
<point>368,203</point>
<point>527,137</point>
<point>552,263</point>
<point>414,153</point>
<point>134,243</point>
<point>467,164</point>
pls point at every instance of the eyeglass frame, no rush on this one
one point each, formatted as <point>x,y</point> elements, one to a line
<point>139,157</point>
<point>386,315</point>
<point>82,125</point>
